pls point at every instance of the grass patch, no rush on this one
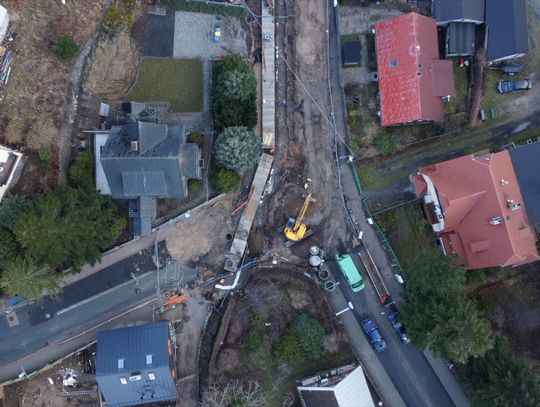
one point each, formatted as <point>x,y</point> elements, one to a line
<point>194,186</point>
<point>458,104</point>
<point>348,37</point>
<point>177,81</point>
<point>490,97</point>
<point>407,231</point>
<point>522,138</point>
<point>370,178</point>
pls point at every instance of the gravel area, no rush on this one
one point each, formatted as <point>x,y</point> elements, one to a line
<point>193,34</point>
<point>156,34</point>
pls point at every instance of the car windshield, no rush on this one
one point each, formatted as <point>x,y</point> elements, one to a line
<point>375,336</point>
<point>358,284</point>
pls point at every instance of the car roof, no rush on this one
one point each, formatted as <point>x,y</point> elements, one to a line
<point>368,324</point>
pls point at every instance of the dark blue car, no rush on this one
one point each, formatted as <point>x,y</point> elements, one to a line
<point>372,332</point>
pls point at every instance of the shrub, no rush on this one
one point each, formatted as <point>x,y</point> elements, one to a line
<point>303,339</point>
<point>194,186</point>
<point>65,47</point>
<point>223,180</point>
<point>254,340</point>
<point>385,142</point>
<point>81,172</point>
<point>196,138</point>
<point>45,156</point>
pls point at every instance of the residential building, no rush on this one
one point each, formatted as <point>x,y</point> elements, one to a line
<point>506,30</point>
<point>463,11</point>
<point>338,389</point>
<point>412,79</point>
<point>4,22</point>
<point>135,365</point>
<point>10,165</point>
<point>142,162</point>
<point>504,21</point>
<point>483,207</point>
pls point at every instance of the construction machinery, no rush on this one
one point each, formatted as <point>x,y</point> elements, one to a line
<point>296,230</point>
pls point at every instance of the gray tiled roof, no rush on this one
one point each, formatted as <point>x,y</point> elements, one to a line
<point>461,37</point>
<point>144,183</point>
<point>506,28</point>
<point>457,10</point>
<point>143,354</point>
<point>527,168</point>
<point>142,210</point>
<point>157,169</point>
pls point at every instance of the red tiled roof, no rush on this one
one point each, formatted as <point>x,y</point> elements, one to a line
<point>411,76</point>
<point>472,191</point>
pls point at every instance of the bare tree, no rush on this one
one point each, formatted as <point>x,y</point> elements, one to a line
<point>235,393</point>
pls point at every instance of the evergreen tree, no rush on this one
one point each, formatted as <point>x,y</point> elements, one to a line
<point>237,148</point>
<point>23,277</point>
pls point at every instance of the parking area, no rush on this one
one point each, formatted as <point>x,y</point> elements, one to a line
<point>155,34</point>
<point>193,36</point>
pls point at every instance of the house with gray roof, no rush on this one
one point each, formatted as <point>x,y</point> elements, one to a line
<point>143,162</point>
<point>505,23</point>
<point>135,366</point>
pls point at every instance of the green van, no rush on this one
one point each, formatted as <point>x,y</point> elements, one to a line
<point>351,273</point>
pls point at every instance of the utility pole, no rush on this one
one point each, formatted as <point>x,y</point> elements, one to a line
<point>156,256</point>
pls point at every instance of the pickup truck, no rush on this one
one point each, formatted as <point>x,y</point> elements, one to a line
<point>401,332</point>
<point>373,334</point>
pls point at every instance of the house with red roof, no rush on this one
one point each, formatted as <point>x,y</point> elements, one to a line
<point>413,80</point>
<point>484,207</point>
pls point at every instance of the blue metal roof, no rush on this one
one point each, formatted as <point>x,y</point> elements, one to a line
<point>133,365</point>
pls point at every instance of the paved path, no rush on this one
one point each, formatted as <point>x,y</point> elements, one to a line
<point>420,375</point>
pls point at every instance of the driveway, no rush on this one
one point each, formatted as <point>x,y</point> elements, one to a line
<point>193,34</point>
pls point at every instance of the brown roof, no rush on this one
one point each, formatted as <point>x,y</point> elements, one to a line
<point>411,76</point>
<point>474,190</point>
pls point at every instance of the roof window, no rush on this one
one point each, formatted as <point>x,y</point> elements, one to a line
<point>121,363</point>
<point>149,359</point>
<point>123,380</point>
<point>152,376</point>
<point>393,63</point>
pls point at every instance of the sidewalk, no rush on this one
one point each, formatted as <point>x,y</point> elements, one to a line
<point>364,352</point>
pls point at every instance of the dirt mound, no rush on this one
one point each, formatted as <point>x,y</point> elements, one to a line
<point>114,65</point>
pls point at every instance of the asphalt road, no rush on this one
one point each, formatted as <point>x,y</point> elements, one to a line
<point>406,365</point>
<point>409,370</point>
<point>84,304</point>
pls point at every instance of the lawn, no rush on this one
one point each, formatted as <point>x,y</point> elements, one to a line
<point>177,81</point>
<point>458,103</point>
<point>407,231</point>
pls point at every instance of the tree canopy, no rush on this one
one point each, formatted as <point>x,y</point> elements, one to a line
<point>9,248</point>
<point>303,339</point>
<point>68,227</point>
<point>234,94</point>
<point>500,379</point>
<point>237,148</point>
<point>81,173</point>
<point>23,277</point>
<point>437,312</point>
<point>11,210</point>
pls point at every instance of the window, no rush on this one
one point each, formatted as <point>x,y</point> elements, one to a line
<point>121,363</point>
<point>123,380</point>
<point>151,376</point>
<point>148,359</point>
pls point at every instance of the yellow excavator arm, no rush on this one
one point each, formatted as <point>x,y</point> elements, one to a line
<point>295,229</point>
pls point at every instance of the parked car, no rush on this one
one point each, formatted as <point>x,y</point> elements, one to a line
<point>393,315</point>
<point>514,85</point>
<point>217,29</point>
<point>372,332</point>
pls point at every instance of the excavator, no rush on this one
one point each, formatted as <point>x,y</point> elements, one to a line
<point>295,229</point>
